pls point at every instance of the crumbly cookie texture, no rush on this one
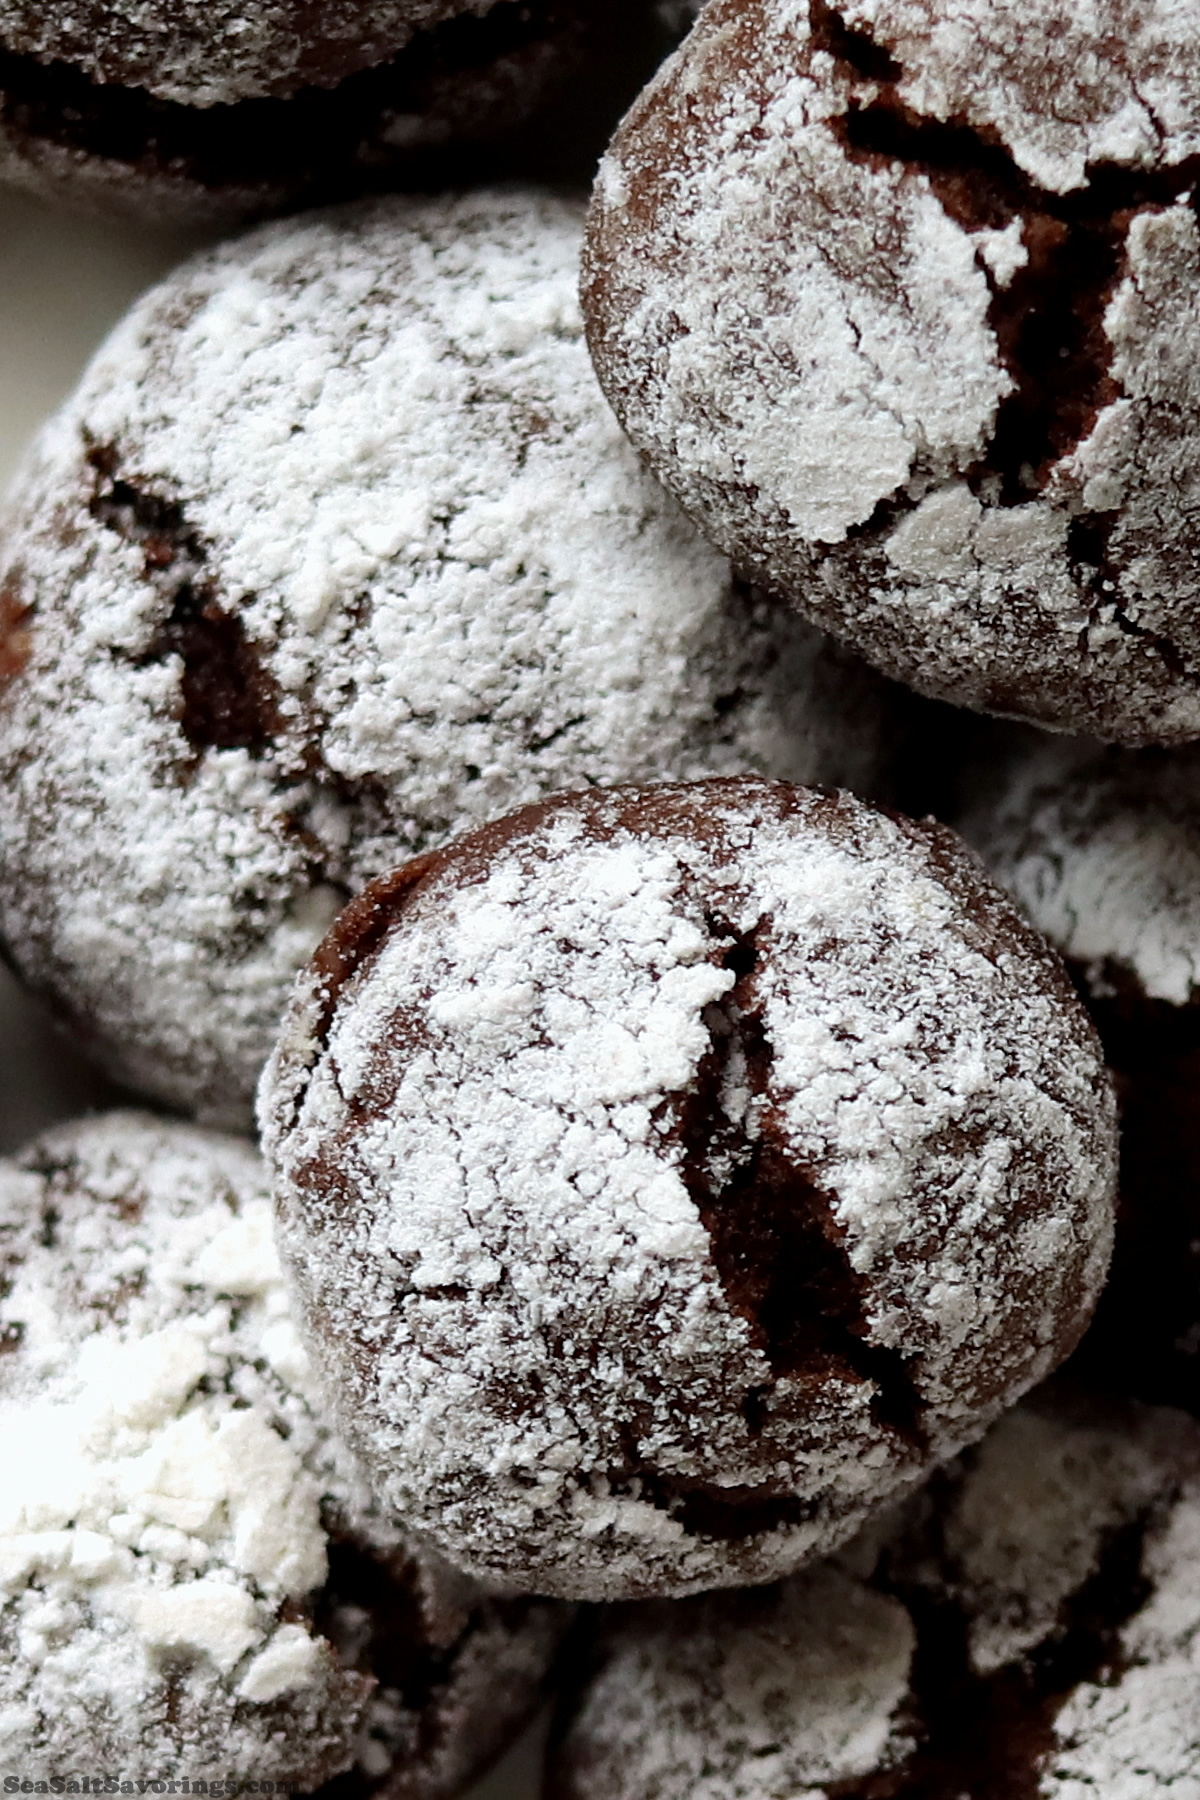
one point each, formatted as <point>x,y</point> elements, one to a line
<point>670,1175</point>
<point>338,551</point>
<point>1028,1628</point>
<point>1100,847</point>
<point>191,1581</point>
<point>898,297</point>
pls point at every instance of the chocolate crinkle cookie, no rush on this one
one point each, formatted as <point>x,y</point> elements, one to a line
<point>338,551</point>
<point>899,298</point>
<point>1102,849</point>
<point>1026,1631</point>
<point>191,1582</point>
<point>670,1176</point>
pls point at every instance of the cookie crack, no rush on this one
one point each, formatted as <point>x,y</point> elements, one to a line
<point>707,1509</point>
<point>229,701</point>
<point>228,698</point>
<point>779,1255</point>
<point>779,1252</point>
<point>1098,574</point>
<point>1048,319</point>
<point>853,48</point>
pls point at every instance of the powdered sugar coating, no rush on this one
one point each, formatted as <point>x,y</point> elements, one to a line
<point>1025,1629</point>
<point>1101,850</point>
<point>337,551</point>
<point>171,1501</point>
<point>550,1107</point>
<point>898,298</point>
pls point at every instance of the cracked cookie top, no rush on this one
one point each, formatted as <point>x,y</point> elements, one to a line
<point>670,1175</point>
<point>338,551</point>
<point>191,1579</point>
<point>898,299</point>
<point>1026,1631</point>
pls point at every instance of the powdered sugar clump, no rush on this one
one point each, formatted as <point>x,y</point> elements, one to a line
<point>1101,849</point>
<point>154,1521</point>
<point>898,297</point>
<point>170,1494</point>
<point>670,1176</point>
<point>337,551</point>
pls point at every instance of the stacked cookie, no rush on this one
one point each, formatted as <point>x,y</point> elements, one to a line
<point>210,114</point>
<point>683,1165</point>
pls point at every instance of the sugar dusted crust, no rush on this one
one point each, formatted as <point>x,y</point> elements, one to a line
<point>669,1176</point>
<point>191,1578</point>
<point>337,551</point>
<point>768,1694</point>
<point>899,300</point>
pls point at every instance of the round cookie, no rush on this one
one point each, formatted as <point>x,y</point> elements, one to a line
<point>1101,849</point>
<point>1028,1628</point>
<point>899,299</point>
<point>338,551</point>
<point>670,1176</point>
<point>191,1581</point>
